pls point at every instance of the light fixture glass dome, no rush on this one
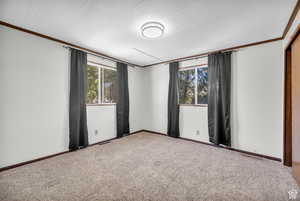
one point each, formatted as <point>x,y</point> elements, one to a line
<point>152,29</point>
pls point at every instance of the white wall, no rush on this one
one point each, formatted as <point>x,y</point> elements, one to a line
<point>101,123</point>
<point>34,85</point>
<point>34,97</point>
<point>257,101</point>
<point>136,84</point>
<point>193,123</point>
<point>156,98</point>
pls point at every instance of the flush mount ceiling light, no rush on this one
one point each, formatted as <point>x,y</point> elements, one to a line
<point>152,29</point>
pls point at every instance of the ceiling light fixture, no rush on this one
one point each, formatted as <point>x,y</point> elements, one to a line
<point>152,29</point>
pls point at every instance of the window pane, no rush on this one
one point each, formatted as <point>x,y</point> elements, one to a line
<point>93,85</point>
<point>109,86</point>
<point>187,87</point>
<point>202,86</point>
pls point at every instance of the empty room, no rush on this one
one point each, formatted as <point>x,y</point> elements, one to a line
<point>149,100</point>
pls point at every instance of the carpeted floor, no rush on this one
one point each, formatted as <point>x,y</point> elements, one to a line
<point>146,167</point>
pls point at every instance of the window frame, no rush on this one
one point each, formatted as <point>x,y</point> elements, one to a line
<point>194,67</point>
<point>100,68</point>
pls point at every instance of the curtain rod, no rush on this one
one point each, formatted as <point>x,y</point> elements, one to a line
<point>101,56</point>
<point>202,56</point>
<point>233,49</point>
<point>133,65</point>
<point>100,64</point>
<point>191,66</point>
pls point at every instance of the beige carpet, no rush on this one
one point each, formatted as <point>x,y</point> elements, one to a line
<point>147,167</point>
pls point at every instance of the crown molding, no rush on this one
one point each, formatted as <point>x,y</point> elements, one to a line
<point>215,51</point>
<point>65,43</point>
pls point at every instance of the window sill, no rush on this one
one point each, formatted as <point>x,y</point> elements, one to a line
<point>104,104</point>
<point>194,105</point>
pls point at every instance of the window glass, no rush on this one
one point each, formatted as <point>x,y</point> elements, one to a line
<point>192,90</point>
<point>187,86</point>
<point>109,85</point>
<point>202,85</point>
<point>102,85</point>
<point>93,85</point>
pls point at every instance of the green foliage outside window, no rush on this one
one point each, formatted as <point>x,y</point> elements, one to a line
<point>93,85</point>
<point>202,85</point>
<point>102,85</point>
<point>110,86</point>
<point>187,86</point>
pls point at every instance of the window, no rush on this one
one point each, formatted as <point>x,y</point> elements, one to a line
<point>193,86</point>
<point>101,85</point>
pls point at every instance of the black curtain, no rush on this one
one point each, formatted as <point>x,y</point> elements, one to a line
<point>122,100</point>
<point>219,84</point>
<point>77,108</point>
<point>173,107</point>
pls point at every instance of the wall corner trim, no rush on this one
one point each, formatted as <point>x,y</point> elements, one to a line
<point>223,147</point>
<point>291,19</point>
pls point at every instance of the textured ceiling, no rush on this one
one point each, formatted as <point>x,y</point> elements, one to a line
<point>113,26</point>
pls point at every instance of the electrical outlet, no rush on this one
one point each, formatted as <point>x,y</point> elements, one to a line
<point>96,132</point>
<point>197,132</point>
